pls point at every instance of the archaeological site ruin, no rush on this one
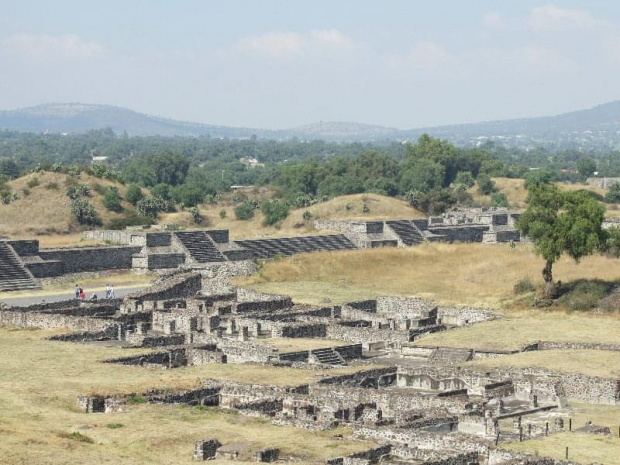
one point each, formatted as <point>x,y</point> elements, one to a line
<point>415,403</point>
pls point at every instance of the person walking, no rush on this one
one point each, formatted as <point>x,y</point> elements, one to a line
<point>112,293</point>
<point>77,291</point>
<point>82,294</point>
<point>108,291</point>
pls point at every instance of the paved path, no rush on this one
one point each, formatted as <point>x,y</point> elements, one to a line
<point>25,301</point>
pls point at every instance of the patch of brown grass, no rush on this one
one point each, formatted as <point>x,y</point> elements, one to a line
<point>39,382</point>
<point>474,274</point>
<point>588,362</point>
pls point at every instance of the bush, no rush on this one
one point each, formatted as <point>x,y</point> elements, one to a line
<point>134,194</point>
<point>613,194</point>
<point>112,199</point>
<point>134,400</point>
<point>245,211</point>
<point>52,186</point>
<point>437,201</point>
<point>197,217</point>
<point>76,191</point>
<point>26,191</point>
<point>32,183</point>
<point>307,216</point>
<point>222,213</point>
<point>85,212</point>
<point>76,436</point>
<point>114,425</point>
<point>486,186</point>
<point>524,286</point>
<point>130,219</point>
<point>585,295</point>
<point>499,199</point>
<point>365,208</point>
<point>274,211</point>
<point>465,178</point>
<point>150,206</point>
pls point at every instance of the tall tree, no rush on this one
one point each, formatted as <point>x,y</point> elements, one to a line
<point>562,223</point>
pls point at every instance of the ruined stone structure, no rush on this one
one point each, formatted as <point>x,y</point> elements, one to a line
<point>420,404</point>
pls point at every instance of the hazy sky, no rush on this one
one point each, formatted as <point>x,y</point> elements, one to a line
<point>277,63</point>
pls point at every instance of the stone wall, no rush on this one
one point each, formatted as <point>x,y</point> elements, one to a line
<point>605,183</point>
<point>45,269</point>
<point>25,247</point>
<point>92,258</point>
<point>461,316</point>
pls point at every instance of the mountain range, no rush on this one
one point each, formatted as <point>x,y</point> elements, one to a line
<point>78,117</point>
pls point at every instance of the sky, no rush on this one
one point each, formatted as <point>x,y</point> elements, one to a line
<point>283,63</point>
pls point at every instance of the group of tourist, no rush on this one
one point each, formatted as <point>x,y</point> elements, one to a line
<point>81,295</point>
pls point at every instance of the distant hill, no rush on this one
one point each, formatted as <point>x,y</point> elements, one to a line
<point>78,117</point>
<point>571,128</point>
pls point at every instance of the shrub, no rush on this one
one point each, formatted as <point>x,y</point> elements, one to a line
<point>52,186</point>
<point>585,295</point>
<point>365,208</point>
<point>85,212</point>
<point>307,216</point>
<point>197,217</point>
<point>130,219</point>
<point>114,425</point>
<point>486,186</point>
<point>245,211</point>
<point>274,211</point>
<point>76,191</point>
<point>56,167</point>
<point>524,286</point>
<point>134,194</point>
<point>499,199</point>
<point>98,170</point>
<point>32,183</point>
<point>437,201</point>
<point>222,213</point>
<point>465,178</point>
<point>26,191</point>
<point>134,400</point>
<point>76,436</point>
<point>150,206</point>
<point>112,199</point>
<point>613,194</point>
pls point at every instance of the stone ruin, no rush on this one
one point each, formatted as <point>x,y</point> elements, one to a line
<point>420,404</point>
<point>24,265</point>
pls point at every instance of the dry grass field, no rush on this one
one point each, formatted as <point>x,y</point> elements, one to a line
<point>39,382</point>
<point>345,207</point>
<point>462,274</point>
<point>518,328</point>
<point>588,362</point>
<point>585,448</point>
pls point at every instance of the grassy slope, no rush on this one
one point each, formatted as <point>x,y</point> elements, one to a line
<point>474,274</point>
<point>381,207</point>
<point>39,382</point>
<point>46,211</point>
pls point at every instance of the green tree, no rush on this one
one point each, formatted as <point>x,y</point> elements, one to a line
<point>562,223</point>
<point>245,211</point>
<point>499,199</point>
<point>465,178</point>
<point>586,166</point>
<point>422,175</point>
<point>274,211</point>
<point>134,194</point>
<point>486,186</point>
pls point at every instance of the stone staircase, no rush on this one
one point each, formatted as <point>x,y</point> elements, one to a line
<point>450,356</point>
<point>200,246</point>
<point>13,275</point>
<point>407,231</point>
<point>269,248</point>
<point>328,356</point>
